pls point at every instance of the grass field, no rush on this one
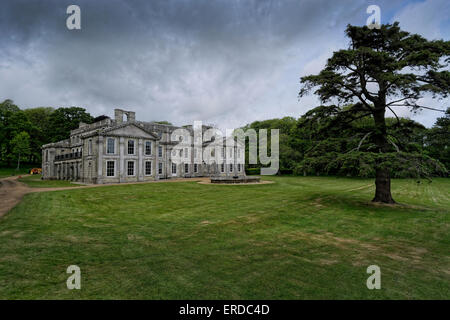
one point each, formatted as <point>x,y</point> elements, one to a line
<point>7,172</point>
<point>298,238</point>
<point>35,181</point>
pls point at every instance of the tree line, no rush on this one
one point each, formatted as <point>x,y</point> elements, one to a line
<point>23,132</point>
<point>320,143</point>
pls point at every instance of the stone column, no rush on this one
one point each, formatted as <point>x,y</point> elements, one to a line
<point>169,162</point>
<point>140,171</point>
<point>100,160</point>
<point>157,160</point>
<point>121,158</point>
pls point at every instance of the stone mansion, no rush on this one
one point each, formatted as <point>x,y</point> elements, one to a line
<point>126,150</point>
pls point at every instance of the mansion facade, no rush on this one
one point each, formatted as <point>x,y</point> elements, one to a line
<point>125,150</point>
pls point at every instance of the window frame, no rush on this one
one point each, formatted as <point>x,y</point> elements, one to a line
<point>128,147</point>
<point>174,165</point>
<point>145,168</point>
<point>145,148</point>
<point>113,145</point>
<point>90,147</point>
<point>114,168</point>
<point>160,168</point>
<point>128,168</point>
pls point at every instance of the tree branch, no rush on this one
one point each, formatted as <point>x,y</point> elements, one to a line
<point>416,106</point>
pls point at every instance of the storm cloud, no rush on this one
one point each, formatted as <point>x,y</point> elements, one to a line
<point>226,62</point>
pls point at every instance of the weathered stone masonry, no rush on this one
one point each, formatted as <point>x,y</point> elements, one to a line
<point>126,150</point>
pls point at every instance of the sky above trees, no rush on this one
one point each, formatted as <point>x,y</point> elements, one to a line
<point>223,62</point>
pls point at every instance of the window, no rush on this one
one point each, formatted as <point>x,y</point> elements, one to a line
<point>46,155</point>
<point>160,168</point>
<point>174,168</point>
<point>231,167</point>
<point>174,153</point>
<point>148,148</point>
<point>148,168</point>
<point>223,152</point>
<point>110,168</point>
<point>130,146</point>
<point>213,152</point>
<point>159,151</point>
<point>222,167</point>
<point>130,168</point>
<point>239,167</point>
<point>90,147</point>
<point>181,153</point>
<point>186,168</point>
<point>185,152</point>
<point>110,145</point>
<point>195,168</point>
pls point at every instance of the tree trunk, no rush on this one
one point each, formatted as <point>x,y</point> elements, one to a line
<point>382,175</point>
<point>18,162</point>
<point>383,186</point>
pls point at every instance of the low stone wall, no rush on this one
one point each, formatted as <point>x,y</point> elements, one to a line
<point>231,180</point>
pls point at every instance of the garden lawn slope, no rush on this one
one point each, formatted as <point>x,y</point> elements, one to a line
<point>298,238</point>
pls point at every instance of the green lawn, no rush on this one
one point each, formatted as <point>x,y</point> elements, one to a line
<point>299,238</point>
<point>35,181</point>
<point>7,172</point>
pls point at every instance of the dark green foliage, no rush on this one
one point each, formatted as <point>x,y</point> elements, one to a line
<point>437,140</point>
<point>362,164</point>
<point>20,146</point>
<point>252,171</point>
<point>290,153</point>
<point>63,120</point>
<point>326,145</point>
<point>164,122</point>
<point>381,69</point>
<point>42,124</point>
<point>12,122</point>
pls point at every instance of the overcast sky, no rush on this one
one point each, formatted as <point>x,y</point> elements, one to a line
<point>226,62</point>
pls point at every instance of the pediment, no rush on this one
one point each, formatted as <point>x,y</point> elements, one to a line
<point>130,130</point>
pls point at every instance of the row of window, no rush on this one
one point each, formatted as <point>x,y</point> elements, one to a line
<point>198,151</point>
<point>110,149</point>
<point>222,167</point>
<point>110,168</point>
<point>111,144</point>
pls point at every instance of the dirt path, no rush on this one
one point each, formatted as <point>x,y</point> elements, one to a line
<point>12,191</point>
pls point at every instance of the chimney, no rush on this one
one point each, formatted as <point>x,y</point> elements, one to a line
<point>131,116</point>
<point>118,115</point>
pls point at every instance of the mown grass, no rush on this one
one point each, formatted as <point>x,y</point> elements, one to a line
<point>298,238</point>
<point>8,172</point>
<point>35,181</point>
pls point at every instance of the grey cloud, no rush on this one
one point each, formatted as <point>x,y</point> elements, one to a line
<point>228,62</point>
